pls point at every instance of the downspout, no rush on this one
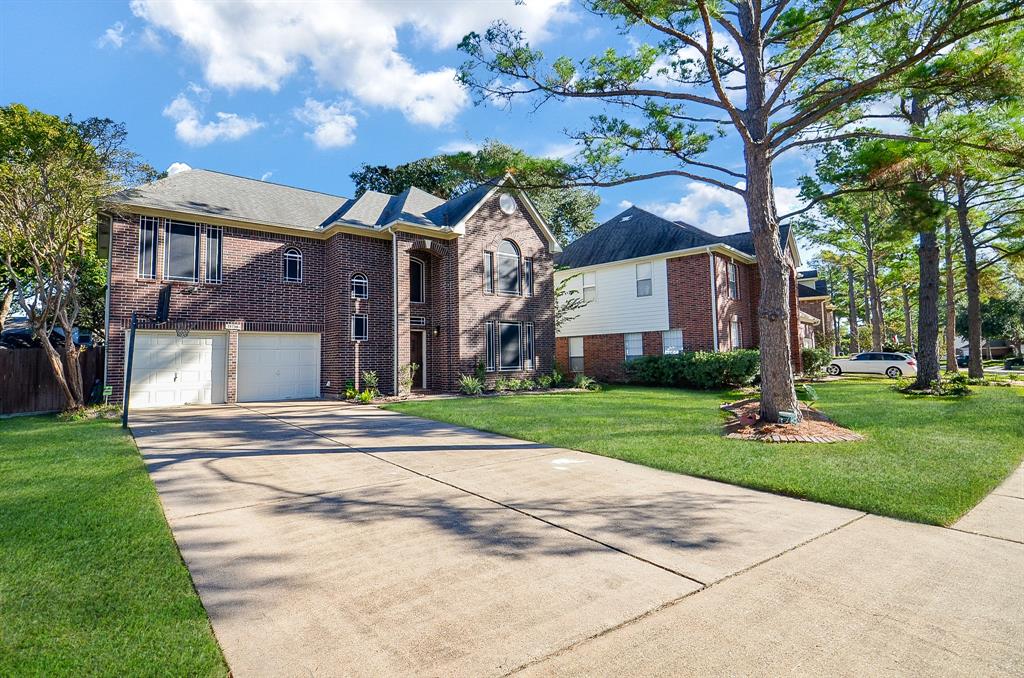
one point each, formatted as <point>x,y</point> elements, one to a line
<point>394,310</point>
<point>714,297</point>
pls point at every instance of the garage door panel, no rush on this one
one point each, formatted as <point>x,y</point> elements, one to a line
<point>278,366</point>
<point>170,370</point>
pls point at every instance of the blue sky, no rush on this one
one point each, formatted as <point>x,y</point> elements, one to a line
<point>303,93</point>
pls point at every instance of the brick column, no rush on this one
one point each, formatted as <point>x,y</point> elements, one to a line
<point>231,359</point>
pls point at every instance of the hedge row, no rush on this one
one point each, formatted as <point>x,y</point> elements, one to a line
<point>699,369</point>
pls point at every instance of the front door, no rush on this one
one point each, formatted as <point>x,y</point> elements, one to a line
<point>416,340</point>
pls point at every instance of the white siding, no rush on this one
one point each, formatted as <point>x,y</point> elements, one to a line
<point>617,309</point>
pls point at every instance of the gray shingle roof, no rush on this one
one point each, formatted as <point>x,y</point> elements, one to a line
<point>637,233</point>
<point>202,192</point>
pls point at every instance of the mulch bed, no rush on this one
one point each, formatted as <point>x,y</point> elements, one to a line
<point>814,426</point>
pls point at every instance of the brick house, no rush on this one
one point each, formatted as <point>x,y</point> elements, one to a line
<point>655,286</point>
<point>816,308</point>
<point>288,293</point>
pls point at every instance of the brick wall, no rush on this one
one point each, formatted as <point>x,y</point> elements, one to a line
<point>343,359</point>
<point>689,300</point>
<point>252,291</point>
<point>484,232</point>
<point>744,307</point>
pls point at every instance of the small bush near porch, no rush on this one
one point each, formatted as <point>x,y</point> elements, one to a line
<point>924,459</point>
<point>91,582</point>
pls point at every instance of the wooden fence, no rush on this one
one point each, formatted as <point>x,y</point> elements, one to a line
<point>27,383</point>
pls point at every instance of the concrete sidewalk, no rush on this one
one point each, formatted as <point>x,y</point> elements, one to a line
<point>329,539</point>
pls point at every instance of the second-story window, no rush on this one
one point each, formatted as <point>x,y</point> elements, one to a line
<point>417,281</point>
<point>214,253</point>
<point>292,265</point>
<point>734,280</point>
<point>644,288</point>
<point>181,251</point>
<point>360,286</point>
<point>147,246</point>
<point>509,273</point>
<point>528,276</point>
<point>488,272</point>
<point>589,287</point>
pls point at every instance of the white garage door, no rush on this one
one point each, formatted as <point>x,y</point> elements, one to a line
<point>278,366</point>
<point>172,370</point>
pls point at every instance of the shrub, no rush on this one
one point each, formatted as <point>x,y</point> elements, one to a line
<point>586,383</point>
<point>529,385</point>
<point>350,390</point>
<point>503,384</point>
<point>557,378</point>
<point>545,381</point>
<point>1014,362</point>
<point>955,384</point>
<point>366,396</point>
<point>470,385</point>
<point>480,371</point>
<point>405,377</point>
<point>698,369</point>
<point>815,360</point>
<point>370,381</point>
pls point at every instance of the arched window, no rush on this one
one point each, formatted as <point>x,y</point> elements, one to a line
<point>360,286</point>
<point>509,269</point>
<point>292,265</point>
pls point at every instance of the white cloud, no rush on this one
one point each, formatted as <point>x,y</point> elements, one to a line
<point>176,167</point>
<point>560,150</point>
<point>351,47</point>
<point>717,210</point>
<point>113,36</point>
<point>456,146</point>
<point>190,128</point>
<point>266,175</point>
<point>333,125</point>
<point>625,205</point>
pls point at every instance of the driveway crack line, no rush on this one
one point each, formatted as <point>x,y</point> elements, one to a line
<point>492,501</point>
<point>572,646</point>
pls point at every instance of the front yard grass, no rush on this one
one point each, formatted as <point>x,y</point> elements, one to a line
<point>925,459</point>
<point>91,582</point>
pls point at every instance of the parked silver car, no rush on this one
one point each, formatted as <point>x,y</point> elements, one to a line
<point>892,365</point>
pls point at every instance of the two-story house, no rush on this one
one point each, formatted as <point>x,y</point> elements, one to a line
<point>280,292</point>
<point>654,286</point>
<point>816,308</point>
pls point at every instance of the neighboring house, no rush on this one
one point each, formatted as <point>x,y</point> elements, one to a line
<point>655,286</point>
<point>288,293</point>
<point>816,308</point>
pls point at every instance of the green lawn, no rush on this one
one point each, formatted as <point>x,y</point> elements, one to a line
<point>91,582</point>
<point>925,459</point>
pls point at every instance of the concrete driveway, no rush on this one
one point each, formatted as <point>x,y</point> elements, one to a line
<point>327,539</point>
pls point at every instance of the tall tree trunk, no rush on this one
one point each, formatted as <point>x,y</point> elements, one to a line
<point>975,369</point>
<point>928,310</point>
<point>854,340</point>
<point>871,280</point>
<point>5,304</point>
<point>950,300</point>
<point>57,366</point>
<point>908,317</point>
<point>777,390</point>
